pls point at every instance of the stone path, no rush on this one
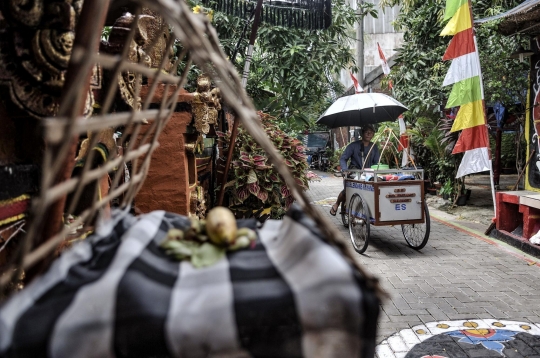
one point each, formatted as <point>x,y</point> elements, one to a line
<point>463,295</point>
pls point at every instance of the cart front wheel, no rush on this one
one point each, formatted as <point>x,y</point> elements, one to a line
<point>359,223</point>
<point>417,235</point>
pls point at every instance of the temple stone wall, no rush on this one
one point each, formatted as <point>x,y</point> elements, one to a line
<point>168,185</point>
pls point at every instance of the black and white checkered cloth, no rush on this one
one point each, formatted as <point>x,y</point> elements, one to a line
<point>118,295</point>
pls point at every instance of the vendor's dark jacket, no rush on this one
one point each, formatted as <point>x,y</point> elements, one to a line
<point>357,152</point>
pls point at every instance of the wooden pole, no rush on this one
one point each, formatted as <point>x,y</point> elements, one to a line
<point>497,165</point>
<point>234,130</point>
<point>484,111</point>
<point>523,170</point>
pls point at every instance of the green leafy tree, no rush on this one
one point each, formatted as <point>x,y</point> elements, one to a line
<point>293,72</point>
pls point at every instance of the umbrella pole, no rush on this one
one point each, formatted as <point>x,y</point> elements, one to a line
<point>234,130</point>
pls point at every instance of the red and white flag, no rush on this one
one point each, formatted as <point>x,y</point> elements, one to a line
<point>357,87</point>
<point>384,64</point>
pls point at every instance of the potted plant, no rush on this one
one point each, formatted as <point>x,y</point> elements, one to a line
<point>334,158</point>
<point>462,197</point>
<point>446,190</point>
<point>468,193</point>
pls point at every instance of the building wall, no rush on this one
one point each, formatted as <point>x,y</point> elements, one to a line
<point>377,30</point>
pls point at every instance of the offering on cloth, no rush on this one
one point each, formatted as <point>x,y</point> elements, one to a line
<point>119,294</point>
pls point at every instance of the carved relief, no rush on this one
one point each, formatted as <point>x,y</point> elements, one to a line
<point>36,40</point>
<point>157,31</point>
<point>143,41</point>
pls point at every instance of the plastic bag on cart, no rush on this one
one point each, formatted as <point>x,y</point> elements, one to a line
<point>118,294</point>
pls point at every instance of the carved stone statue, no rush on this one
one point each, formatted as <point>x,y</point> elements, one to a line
<point>115,44</point>
<point>206,104</point>
<point>142,51</point>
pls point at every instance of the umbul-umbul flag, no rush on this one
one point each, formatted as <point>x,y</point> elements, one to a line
<point>465,76</point>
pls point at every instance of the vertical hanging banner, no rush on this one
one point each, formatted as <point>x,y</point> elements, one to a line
<point>467,93</point>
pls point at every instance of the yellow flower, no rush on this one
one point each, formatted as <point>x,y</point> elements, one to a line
<point>210,15</point>
<point>197,9</point>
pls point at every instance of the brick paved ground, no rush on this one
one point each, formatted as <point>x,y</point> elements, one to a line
<point>461,275</point>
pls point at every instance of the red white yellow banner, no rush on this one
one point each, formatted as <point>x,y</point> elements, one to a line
<point>467,93</point>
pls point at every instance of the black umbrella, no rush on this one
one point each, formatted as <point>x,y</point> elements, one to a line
<point>360,109</point>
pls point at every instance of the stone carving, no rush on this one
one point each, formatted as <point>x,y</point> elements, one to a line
<point>157,31</point>
<point>198,199</point>
<point>36,40</point>
<point>115,45</point>
<point>206,104</point>
<point>142,50</point>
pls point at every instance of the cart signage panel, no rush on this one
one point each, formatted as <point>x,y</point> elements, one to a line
<point>398,203</point>
<point>367,191</point>
<point>361,186</point>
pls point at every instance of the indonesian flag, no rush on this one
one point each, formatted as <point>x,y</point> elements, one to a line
<point>467,93</point>
<point>357,87</point>
<point>384,64</point>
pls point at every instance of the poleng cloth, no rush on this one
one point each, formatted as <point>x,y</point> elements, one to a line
<point>117,294</point>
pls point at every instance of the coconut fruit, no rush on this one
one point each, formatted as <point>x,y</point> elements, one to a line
<point>221,226</point>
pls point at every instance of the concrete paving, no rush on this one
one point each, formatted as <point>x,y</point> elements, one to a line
<point>463,295</point>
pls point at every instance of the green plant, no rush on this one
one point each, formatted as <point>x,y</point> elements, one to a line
<point>447,188</point>
<point>105,33</point>
<point>254,187</point>
<point>431,151</point>
<point>508,149</point>
<point>334,157</point>
<point>386,140</point>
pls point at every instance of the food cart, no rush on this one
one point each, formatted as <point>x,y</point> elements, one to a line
<point>386,197</point>
<point>379,196</point>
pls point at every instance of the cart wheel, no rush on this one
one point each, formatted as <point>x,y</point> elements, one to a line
<point>344,215</point>
<point>359,223</point>
<point>417,235</point>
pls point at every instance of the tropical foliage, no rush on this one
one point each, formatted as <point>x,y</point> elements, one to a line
<point>292,74</point>
<point>255,188</point>
<point>430,151</point>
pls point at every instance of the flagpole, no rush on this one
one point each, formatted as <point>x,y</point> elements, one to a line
<point>484,111</point>
<point>402,126</point>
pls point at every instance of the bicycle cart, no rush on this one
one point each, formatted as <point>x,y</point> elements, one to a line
<point>383,198</point>
<point>379,197</point>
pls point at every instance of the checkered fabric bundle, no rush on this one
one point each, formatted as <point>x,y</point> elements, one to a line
<point>118,295</point>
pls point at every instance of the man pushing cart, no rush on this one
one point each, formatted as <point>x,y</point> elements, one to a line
<point>374,194</point>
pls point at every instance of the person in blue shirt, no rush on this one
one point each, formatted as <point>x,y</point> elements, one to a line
<point>357,152</point>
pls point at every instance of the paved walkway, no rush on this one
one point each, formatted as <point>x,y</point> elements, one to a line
<point>463,295</point>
